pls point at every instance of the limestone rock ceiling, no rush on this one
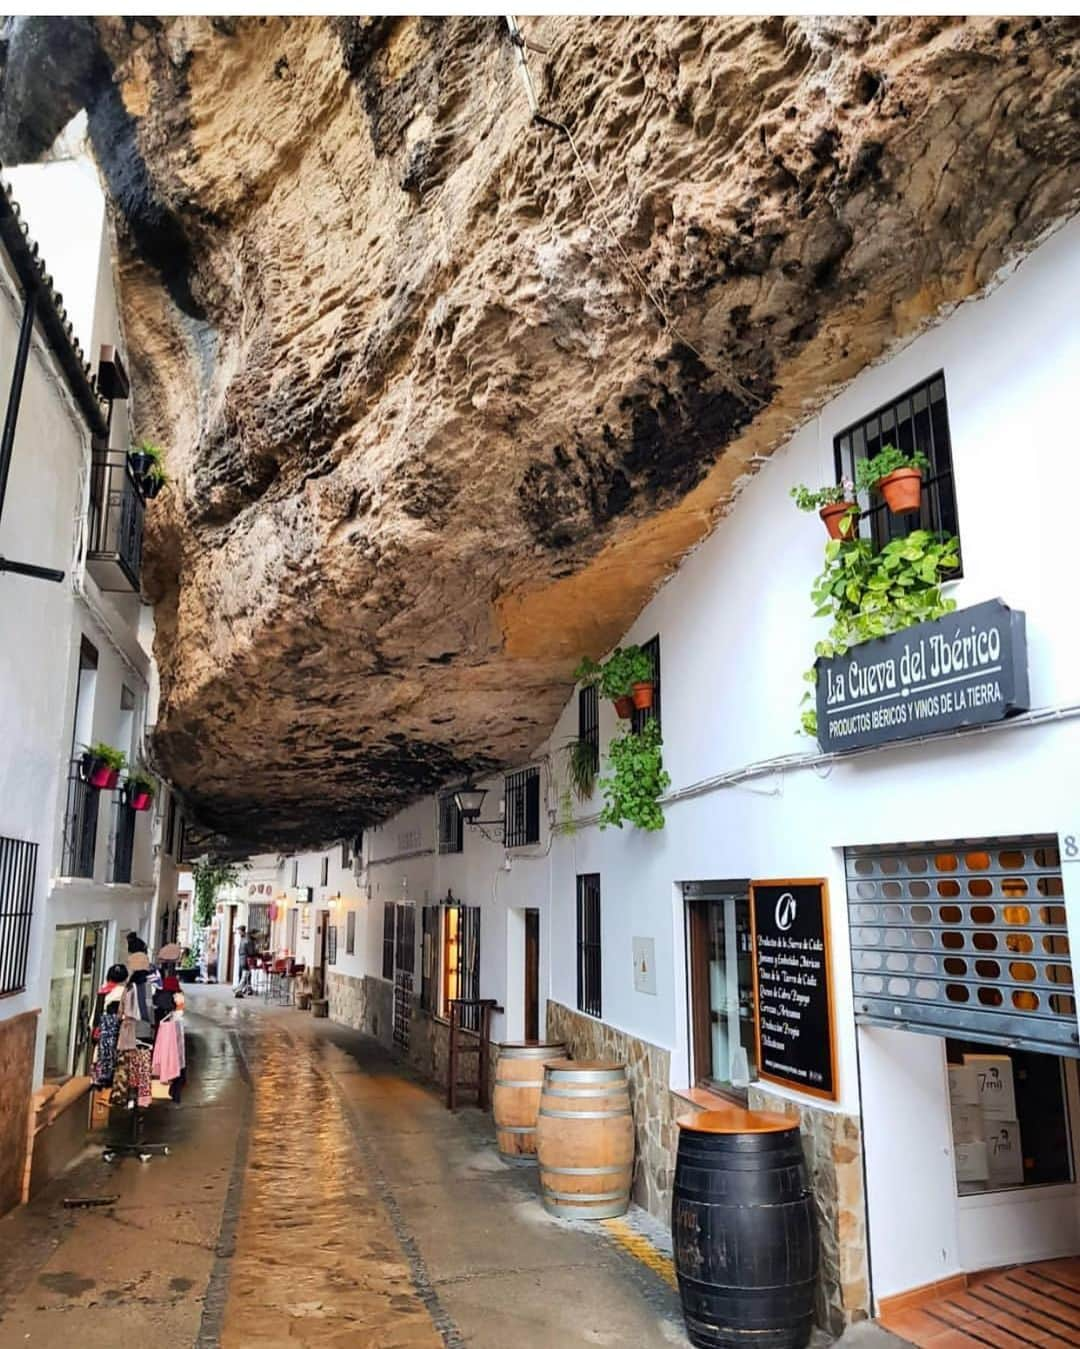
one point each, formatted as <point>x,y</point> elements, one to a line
<point>430,438</point>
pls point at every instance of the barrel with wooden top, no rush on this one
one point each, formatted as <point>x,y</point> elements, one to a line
<point>585,1139</point>
<point>745,1235</point>
<point>519,1076</point>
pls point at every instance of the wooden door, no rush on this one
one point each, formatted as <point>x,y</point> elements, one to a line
<point>532,974</point>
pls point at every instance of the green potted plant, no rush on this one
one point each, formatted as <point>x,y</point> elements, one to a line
<point>139,789</point>
<point>626,677</point>
<point>102,765</point>
<point>632,792</point>
<point>835,505</point>
<point>148,464</point>
<point>188,968</point>
<point>896,475</point>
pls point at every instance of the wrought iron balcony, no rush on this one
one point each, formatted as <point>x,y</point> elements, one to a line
<point>115,522</point>
<point>80,825</point>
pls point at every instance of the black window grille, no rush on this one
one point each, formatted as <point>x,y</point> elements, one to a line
<point>430,956</point>
<point>405,938</point>
<point>468,963</point>
<point>346,855</point>
<point>80,826</point>
<point>18,867</point>
<point>324,872</point>
<point>331,944</point>
<point>522,807</point>
<point>350,932</point>
<point>295,874</point>
<point>588,944</point>
<point>451,827</point>
<point>170,827</point>
<point>123,843</point>
<point>588,720</point>
<point>916,420</point>
<point>651,648</point>
<point>388,940</point>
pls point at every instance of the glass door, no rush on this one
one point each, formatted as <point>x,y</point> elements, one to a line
<point>60,1016</point>
<point>90,978</point>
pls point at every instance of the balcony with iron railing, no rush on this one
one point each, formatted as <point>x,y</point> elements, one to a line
<point>114,522</point>
<point>80,825</point>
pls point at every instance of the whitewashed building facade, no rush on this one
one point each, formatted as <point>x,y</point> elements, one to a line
<point>77,864</point>
<point>942,862</point>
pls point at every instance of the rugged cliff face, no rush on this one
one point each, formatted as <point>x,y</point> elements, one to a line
<point>443,401</point>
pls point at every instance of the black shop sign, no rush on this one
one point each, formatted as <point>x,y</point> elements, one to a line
<point>793,1011</point>
<point>966,669</point>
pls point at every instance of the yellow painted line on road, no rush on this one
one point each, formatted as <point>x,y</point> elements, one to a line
<point>641,1248</point>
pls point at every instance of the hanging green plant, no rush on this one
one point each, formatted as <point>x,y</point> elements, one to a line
<point>632,792</point>
<point>582,767</point>
<point>868,594</point>
<point>209,878</point>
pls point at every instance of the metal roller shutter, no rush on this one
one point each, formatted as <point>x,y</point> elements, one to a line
<point>964,938</point>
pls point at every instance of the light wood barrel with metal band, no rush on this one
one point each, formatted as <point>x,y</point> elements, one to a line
<point>585,1139</point>
<point>519,1076</point>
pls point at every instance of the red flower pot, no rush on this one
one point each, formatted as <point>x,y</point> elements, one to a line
<point>141,800</point>
<point>100,775</point>
<point>902,490</point>
<point>840,519</point>
<point>624,706</point>
<point>643,695</point>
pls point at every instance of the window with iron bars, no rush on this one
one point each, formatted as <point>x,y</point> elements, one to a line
<point>18,866</point>
<point>331,944</point>
<point>324,871</point>
<point>916,420</point>
<point>388,939</point>
<point>451,826</point>
<point>123,843</point>
<point>651,649</point>
<point>588,944</point>
<point>450,960</point>
<point>588,718</point>
<point>521,808</point>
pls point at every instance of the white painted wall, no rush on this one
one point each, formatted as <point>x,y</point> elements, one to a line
<point>41,623</point>
<point>736,631</point>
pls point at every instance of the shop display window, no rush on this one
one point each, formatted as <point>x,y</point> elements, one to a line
<point>1010,1117</point>
<point>721,984</point>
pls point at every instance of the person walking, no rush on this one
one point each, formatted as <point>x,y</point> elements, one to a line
<point>247,963</point>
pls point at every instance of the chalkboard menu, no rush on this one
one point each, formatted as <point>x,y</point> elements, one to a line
<point>792,994</point>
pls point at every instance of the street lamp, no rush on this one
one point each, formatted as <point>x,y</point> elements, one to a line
<point>470,801</point>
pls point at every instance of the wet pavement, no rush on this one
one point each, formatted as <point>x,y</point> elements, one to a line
<point>318,1194</point>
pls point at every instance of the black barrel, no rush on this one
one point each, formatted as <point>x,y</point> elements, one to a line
<point>746,1241</point>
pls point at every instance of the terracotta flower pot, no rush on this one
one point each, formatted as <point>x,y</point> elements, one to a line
<point>902,490</point>
<point>643,695</point>
<point>624,706</point>
<point>840,520</point>
<point>141,800</point>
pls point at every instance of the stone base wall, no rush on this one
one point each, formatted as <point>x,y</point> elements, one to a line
<point>17,1039</point>
<point>365,1004</point>
<point>655,1108</point>
<point>429,1053</point>
<point>833,1144</point>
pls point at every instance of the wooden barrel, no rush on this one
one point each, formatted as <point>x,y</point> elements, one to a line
<point>745,1235</point>
<point>519,1076</point>
<point>585,1139</point>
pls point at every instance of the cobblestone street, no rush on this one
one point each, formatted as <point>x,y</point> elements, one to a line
<point>317,1194</point>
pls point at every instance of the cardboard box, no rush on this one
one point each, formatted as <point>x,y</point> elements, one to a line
<point>994,1075</point>
<point>967,1124</point>
<point>972,1162</point>
<point>1005,1153</point>
<point>963,1085</point>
